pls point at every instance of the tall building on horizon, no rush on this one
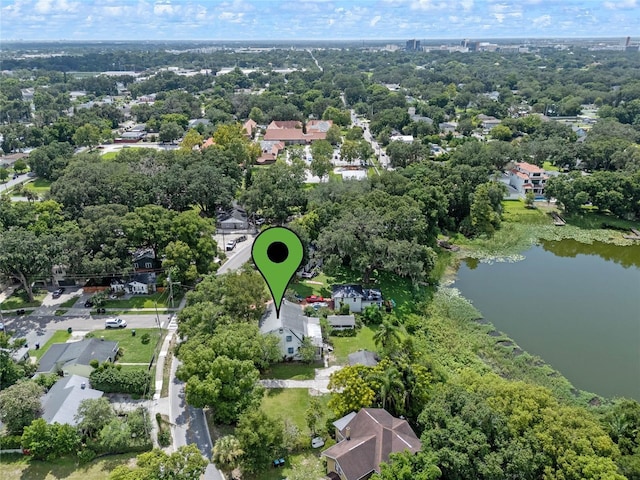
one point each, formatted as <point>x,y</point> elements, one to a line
<point>412,45</point>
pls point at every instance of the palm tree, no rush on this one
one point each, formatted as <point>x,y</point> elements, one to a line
<point>392,391</point>
<point>386,335</point>
<point>226,453</point>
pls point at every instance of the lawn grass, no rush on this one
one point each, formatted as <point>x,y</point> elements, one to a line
<point>145,301</point>
<point>550,167</point>
<point>60,336</point>
<point>109,155</point>
<point>343,346</point>
<point>21,467</point>
<point>19,300</point>
<point>292,371</point>
<point>69,303</point>
<point>133,348</point>
<point>39,185</point>
<point>516,211</point>
<point>290,461</point>
<point>290,403</point>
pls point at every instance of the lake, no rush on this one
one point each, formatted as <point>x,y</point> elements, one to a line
<point>575,305</point>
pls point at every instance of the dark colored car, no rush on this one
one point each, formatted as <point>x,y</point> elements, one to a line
<point>88,303</point>
<point>58,292</point>
<point>241,238</point>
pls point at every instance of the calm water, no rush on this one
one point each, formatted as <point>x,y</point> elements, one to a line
<point>577,306</point>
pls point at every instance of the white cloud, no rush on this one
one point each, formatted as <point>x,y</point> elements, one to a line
<point>232,17</point>
<point>542,21</point>
<point>621,4</point>
<point>164,7</point>
<point>430,5</point>
<point>499,16</point>
<point>374,21</point>
<point>43,6</point>
<point>466,4</point>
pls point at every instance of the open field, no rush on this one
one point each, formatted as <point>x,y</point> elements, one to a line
<point>20,467</point>
<point>343,346</point>
<point>134,350</point>
<point>158,299</point>
<point>292,371</point>
<point>19,300</point>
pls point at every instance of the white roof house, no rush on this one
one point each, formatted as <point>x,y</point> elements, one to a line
<point>291,328</point>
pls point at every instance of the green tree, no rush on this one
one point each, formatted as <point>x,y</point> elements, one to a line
<point>501,132</point>
<point>229,387</point>
<point>4,174</point>
<point>187,463</point>
<point>179,258</point>
<point>10,371</point>
<point>169,132</point>
<point>409,466</point>
<point>313,414</point>
<point>529,199</point>
<point>307,350</point>
<point>93,415</point>
<point>46,442</point>
<point>88,135</point>
<point>484,218</point>
<point>350,390</point>
<point>191,139</point>
<point>25,256</point>
<point>115,436</point>
<point>226,453</point>
<point>334,136</point>
<point>261,438</point>
<point>387,335</point>
<point>20,405</point>
<point>321,166</point>
<point>19,166</point>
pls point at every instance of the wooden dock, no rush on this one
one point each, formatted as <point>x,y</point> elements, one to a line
<point>635,236</point>
<point>558,221</point>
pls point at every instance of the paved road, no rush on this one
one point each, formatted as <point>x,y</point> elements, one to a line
<point>11,183</point>
<point>238,257</point>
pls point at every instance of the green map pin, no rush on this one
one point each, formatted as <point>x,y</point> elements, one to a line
<point>277,252</point>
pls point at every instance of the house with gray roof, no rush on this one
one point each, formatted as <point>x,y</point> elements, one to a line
<point>356,297</point>
<point>341,322</point>
<point>74,358</point>
<point>365,440</point>
<point>60,404</point>
<point>291,328</point>
<point>363,357</point>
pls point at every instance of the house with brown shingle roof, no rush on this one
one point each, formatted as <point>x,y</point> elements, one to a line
<point>249,128</point>
<point>270,151</point>
<point>365,440</point>
<point>291,132</point>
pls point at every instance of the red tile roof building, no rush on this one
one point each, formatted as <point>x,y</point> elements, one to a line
<point>526,177</point>
<point>291,132</point>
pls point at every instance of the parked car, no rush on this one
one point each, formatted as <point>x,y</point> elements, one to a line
<point>317,442</point>
<point>115,323</point>
<point>315,299</point>
<point>58,292</point>
<point>319,305</point>
<point>241,238</point>
<point>231,244</point>
<point>88,303</point>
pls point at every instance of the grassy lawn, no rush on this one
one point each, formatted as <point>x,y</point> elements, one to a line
<point>109,155</point>
<point>69,303</point>
<point>60,336</point>
<point>134,350</point>
<point>290,403</point>
<point>548,166</point>
<point>145,301</point>
<point>19,300</point>
<point>291,460</point>
<point>20,467</point>
<point>343,346</point>
<point>292,371</point>
<point>516,211</point>
<point>39,186</point>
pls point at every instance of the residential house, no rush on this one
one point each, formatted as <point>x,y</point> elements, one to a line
<point>418,118</point>
<point>75,357</point>
<point>146,261</point>
<point>401,138</point>
<point>142,283</point>
<point>130,137</point>
<point>270,151</point>
<point>291,328</point>
<point>448,127</point>
<point>194,122</point>
<point>341,322</point>
<point>365,440</point>
<point>488,122</point>
<point>60,404</point>
<point>291,132</point>
<point>525,177</point>
<point>356,297</point>
<point>234,220</point>
<point>250,128</point>
<point>363,357</point>
<point>9,160</point>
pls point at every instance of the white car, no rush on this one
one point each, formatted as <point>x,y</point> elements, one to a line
<point>317,442</point>
<point>115,323</point>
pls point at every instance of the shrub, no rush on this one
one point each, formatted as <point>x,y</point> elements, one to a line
<point>10,441</point>
<point>46,380</point>
<point>94,363</point>
<point>86,455</point>
<point>145,338</point>
<point>164,438</point>
<point>111,379</point>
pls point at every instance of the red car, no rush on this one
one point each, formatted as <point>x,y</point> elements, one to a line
<point>315,299</point>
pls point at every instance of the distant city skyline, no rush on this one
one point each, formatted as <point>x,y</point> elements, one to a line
<point>246,20</point>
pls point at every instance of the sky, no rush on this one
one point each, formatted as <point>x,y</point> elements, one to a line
<point>243,20</point>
